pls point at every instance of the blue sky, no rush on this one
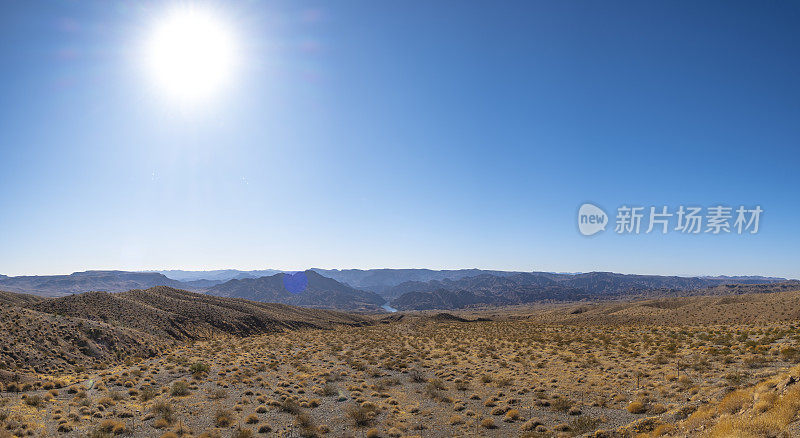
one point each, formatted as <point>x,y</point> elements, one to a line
<point>362,134</point>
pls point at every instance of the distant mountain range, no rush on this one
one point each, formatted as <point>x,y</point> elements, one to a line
<point>745,278</point>
<point>374,280</point>
<point>109,281</point>
<point>317,291</point>
<point>367,290</point>
<point>217,276</point>
<point>381,281</point>
<point>526,288</point>
<point>321,292</point>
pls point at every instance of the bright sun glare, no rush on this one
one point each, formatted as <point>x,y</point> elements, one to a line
<point>191,54</point>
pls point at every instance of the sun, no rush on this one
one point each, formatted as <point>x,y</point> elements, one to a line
<point>191,54</point>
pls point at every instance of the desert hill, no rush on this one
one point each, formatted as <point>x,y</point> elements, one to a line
<point>36,341</point>
<point>16,299</point>
<point>746,308</point>
<point>56,333</point>
<point>182,315</point>
<point>319,292</point>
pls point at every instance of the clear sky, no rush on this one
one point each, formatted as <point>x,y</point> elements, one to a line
<point>362,134</point>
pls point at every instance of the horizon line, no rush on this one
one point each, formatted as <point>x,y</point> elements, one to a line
<point>788,278</point>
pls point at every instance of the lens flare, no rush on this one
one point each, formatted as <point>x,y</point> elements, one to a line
<point>191,54</point>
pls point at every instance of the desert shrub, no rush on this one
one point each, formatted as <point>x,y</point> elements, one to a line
<point>456,419</point>
<point>113,426</point>
<point>106,401</point>
<point>511,415</point>
<point>251,419</point>
<point>657,409</point>
<point>562,427</point>
<point>361,415</point>
<point>735,378</point>
<point>223,418</point>
<point>790,354</point>
<point>561,404</point>
<point>755,361</point>
<point>242,433</point>
<point>433,388</point>
<point>306,425</point>
<point>291,406</point>
<point>637,407</point>
<point>199,367</point>
<point>164,410</point>
<point>416,376</point>
<point>147,394</point>
<point>700,417</point>
<point>503,382</point>
<point>499,410</point>
<point>330,390</point>
<point>734,402</point>
<point>217,394</point>
<point>685,382</point>
<point>179,389</point>
<point>663,429</point>
<point>436,384</point>
<point>583,424</point>
<point>35,400</point>
<point>488,423</point>
<point>531,424</point>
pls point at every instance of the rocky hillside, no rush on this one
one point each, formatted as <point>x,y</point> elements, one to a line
<point>51,334</point>
<point>767,409</point>
<point>42,342</point>
<point>182,315</point>
<point>15,299</point>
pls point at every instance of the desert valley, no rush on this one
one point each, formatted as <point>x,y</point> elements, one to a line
<point>485,354</point>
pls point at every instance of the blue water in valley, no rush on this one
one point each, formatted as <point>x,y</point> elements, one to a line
<point>388,308</point>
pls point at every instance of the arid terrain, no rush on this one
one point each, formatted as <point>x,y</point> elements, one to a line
<point>164,362</point>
